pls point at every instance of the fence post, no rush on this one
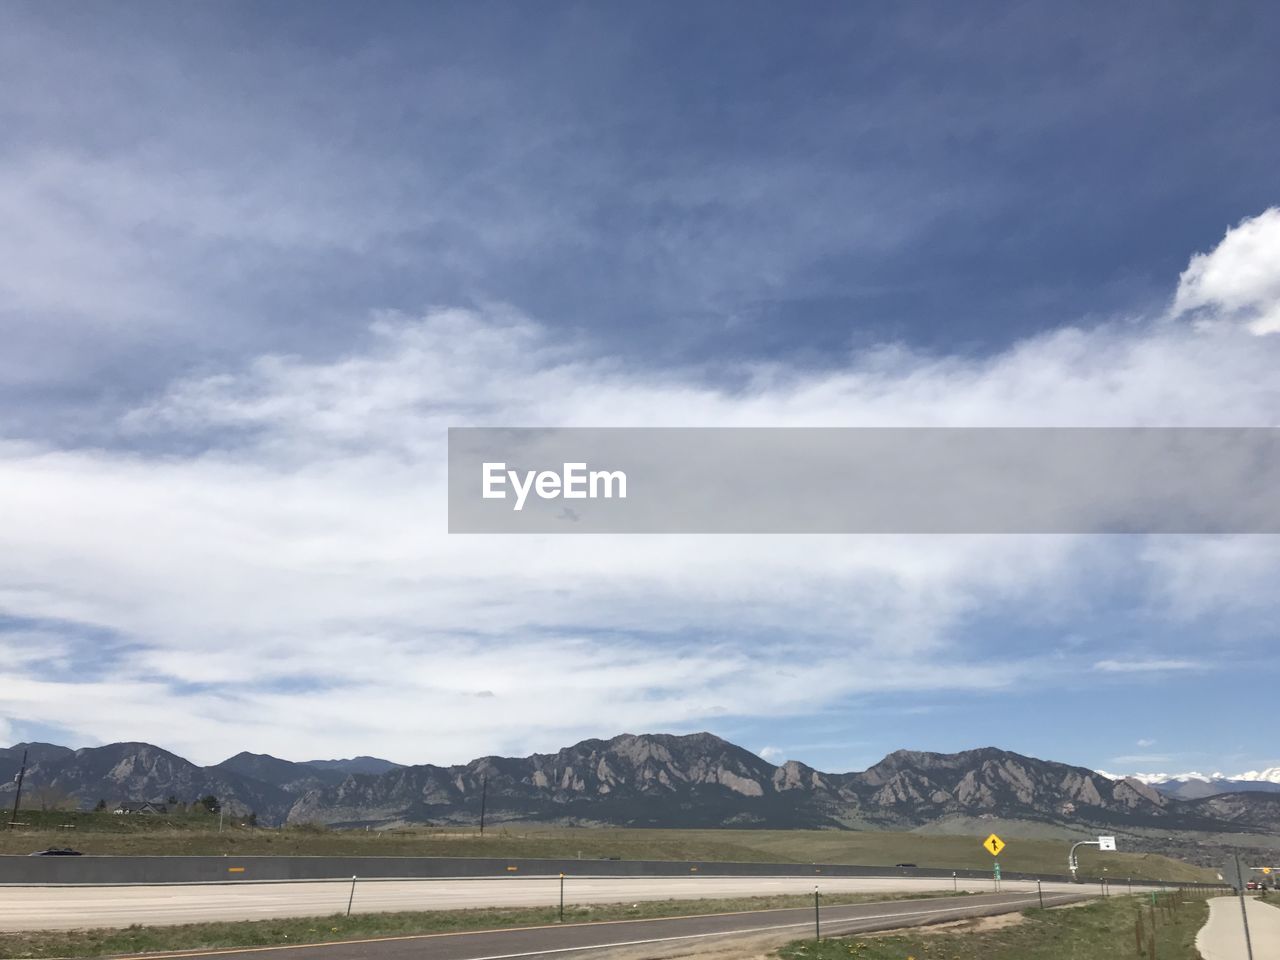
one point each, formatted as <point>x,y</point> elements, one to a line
<point>353,895</point>
<point>817,929</point>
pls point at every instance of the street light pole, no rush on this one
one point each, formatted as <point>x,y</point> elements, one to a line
<point>1072,863</point>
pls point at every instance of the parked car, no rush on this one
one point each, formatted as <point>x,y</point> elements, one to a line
<point>56,852</point>
<point>1251,885</point>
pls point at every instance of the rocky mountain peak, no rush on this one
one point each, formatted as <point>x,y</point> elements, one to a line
<point>638,779</point>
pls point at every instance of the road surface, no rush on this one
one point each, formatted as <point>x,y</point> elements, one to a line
<point>78,906</point>
<point>609,939</point>
<point>1222,937</point>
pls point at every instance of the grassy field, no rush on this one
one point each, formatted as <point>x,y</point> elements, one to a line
<point>140,939</point>
<point>197,834</point>
<point>1098,930</point>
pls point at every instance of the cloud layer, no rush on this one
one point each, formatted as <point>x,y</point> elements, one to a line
<point>256,558</point>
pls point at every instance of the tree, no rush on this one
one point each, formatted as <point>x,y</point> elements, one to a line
<point>100,806</point>
<point>210,803</point>
<point>253,818</point>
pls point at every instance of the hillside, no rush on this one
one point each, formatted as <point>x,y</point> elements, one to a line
<point>654,780</point>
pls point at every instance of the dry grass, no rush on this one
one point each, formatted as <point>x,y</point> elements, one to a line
<point>197,835</point>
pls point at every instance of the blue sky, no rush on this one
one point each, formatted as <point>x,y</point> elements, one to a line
<point>257,258</point>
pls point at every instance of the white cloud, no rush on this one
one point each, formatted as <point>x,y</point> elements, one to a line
<point>1146,742</point>
<point>1239,280</point>
<point>1153,665</point>
<point>772,754</point>
<point>303,546</point>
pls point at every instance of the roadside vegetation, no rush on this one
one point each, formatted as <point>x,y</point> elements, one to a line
<point>200,936</point>
<point>1098,930</point>
<point>197,833</point>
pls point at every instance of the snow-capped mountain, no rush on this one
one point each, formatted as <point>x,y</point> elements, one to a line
<point>1269,775</point>
<point>1156,779</point>
<point>1193,784</point>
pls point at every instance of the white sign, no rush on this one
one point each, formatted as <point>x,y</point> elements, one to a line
<point>1106,843</point>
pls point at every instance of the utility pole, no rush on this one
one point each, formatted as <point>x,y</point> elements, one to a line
<point>484,794</point>
<point>22,772</point>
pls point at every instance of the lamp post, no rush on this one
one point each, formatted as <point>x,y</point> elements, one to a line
<point>1102,843</point>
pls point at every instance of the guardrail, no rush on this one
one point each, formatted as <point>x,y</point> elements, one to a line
<point>104,870</point>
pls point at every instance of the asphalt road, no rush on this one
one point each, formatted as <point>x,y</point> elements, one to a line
<point>1222,937</point>
<point>78,906</point>
<point>601,939</point>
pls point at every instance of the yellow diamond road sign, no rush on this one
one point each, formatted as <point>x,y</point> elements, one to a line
<point>994,845</point>
<point>1266,869</point>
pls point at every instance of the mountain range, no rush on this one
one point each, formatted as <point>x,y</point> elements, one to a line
<point>119,772</point>
<point>1193,785</point>
<point>658,780</point>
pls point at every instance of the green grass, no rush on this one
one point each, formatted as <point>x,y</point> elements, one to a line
<point>196,834</point>
<point>197,936</point>
<point>1098,930</point>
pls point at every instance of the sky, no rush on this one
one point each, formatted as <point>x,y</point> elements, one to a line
<point>256,259</point>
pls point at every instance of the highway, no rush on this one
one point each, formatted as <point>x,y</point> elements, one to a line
<point>80,906</point>
<point>654,937</point>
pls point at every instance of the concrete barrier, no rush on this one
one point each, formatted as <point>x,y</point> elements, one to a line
<point>107,870</point>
